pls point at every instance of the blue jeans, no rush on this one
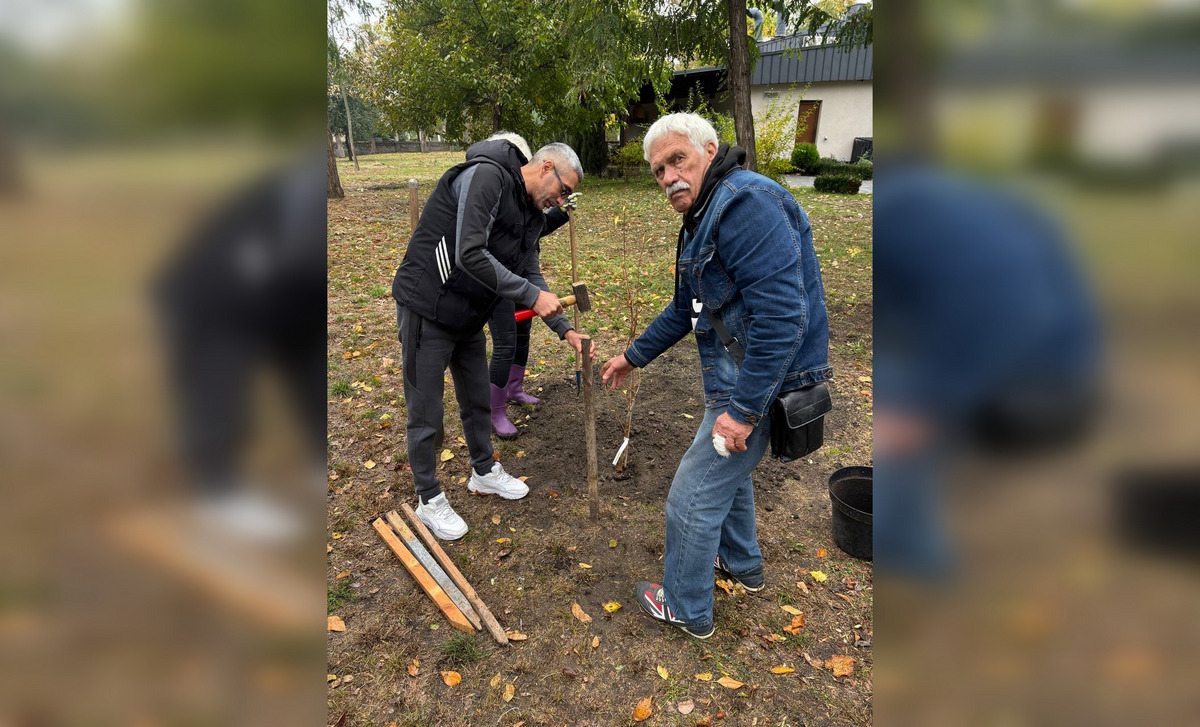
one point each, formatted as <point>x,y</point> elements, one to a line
<point>710,509</point>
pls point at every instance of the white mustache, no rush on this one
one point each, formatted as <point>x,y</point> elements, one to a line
<point>678,186</point>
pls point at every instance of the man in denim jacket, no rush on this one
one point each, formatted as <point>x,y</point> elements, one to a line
<point>746,253</point>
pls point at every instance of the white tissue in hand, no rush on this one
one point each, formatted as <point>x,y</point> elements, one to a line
<point>719,445</point>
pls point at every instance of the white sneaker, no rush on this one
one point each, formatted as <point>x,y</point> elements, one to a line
<point>497,482</point>
<point>440,518</point>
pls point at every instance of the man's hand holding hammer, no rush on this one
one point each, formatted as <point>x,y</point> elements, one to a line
<point>547,305</point>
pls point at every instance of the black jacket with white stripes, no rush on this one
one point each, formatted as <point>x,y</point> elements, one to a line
<point>477,242</point>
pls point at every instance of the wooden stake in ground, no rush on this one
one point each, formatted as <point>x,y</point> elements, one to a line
<point>485,615</point>
<point>422,577</point>
<point>414,210</point>
<point>589,425</point>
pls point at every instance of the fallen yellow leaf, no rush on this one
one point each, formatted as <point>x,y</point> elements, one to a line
<point>369,464</point>
<point>796,624</point>
<point>782,670</point>
<point>802,586</point>
<point>447,455</point>
<point>612,543</point>
<point>662,672</point>
<point>580,614</point>
<point>792,610</point>
<point>335,623</point>
<point>515,636</point>
<point>842,666</point>
<point>523,478</point>
<point>818,576</point>
<point>612,606</point>
<point>643,710</point>
<point>821,552</point>
<point>495,519</point>
<point>495,680</point>
<point>705,677</point>
<point>730,683</point>
<point>725,585</point>
<point>414,668</point>
<point>595,642</point>
<point>585,566</point>
<point>343,574</point>
<point>451,678</point>
<point>503,541</point>
<point>509,691</point>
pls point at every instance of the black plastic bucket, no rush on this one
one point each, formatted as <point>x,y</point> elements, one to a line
<point>850,494</point>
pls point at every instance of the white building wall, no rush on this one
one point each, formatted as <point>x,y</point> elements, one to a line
<point>846,109</point>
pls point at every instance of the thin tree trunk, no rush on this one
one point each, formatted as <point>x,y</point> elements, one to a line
<point>373,151</point>
<point>495,118</point>
<point>421,138</point>
<point>333,181</point>
<point>349,129</point>
<point>739,81</point>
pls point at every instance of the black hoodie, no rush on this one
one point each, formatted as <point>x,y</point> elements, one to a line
<point>476,242</point>
<point>728,159</point>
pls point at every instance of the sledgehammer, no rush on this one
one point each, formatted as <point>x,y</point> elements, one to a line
<point>579,298</point>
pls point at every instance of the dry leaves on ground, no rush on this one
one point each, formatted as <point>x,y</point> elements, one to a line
<point>451,678</point>
<point>414,667</point>
<point>515,636</point>
<point>730,683</point>
<point>705,677</point>
<point>643,710</point>
<point>842,666</point>
<point>686,706</point>
<point>796,624</point>
<point>580,614</point>
<point>509,691</point>
<point>612,606</point>
<point>662,672</point>
<point>782,670</point>
<point>792,610</point>
<point>335,623</point>
<point>818,576</point>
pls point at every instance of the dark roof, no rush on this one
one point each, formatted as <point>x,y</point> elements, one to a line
<point>779,64</point>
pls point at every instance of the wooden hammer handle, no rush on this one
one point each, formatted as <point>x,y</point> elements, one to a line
<point>485,614</point>
<point>422,577</point>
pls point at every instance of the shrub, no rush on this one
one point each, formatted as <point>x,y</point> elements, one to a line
<point>859,169</point>
<point>805,158</point>
<point>629,156</point>
<point>837,183</point>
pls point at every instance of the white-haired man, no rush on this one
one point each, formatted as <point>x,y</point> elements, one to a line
<point>745,252</point>
<point>476,244</point>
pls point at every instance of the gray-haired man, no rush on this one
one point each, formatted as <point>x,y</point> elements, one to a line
<point>476,243</point>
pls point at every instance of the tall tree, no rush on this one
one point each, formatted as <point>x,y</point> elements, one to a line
<point>540,68</point>
<point>339,14</point>
<point>739,80</point>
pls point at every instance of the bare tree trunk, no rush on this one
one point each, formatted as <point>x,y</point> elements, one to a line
<point>421,138</point>
<point>739,81</point>
<point>495,118</point>
<point>333,181</point>
<point>349,129</point>
<point>373,151</point>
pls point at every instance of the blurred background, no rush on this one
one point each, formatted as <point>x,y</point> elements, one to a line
<point>1037,476</point>
<point>161,394</point>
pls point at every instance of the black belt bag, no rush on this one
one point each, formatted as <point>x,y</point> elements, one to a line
<point>797,416</point>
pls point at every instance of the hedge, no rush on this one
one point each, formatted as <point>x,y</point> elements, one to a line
<point>837,183</point>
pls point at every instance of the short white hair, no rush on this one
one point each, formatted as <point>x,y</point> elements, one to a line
<point>693,126</point>
<point>516,139</point>
<point>560,153</point>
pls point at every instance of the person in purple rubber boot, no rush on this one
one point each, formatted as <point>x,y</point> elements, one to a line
<point>510,338</point>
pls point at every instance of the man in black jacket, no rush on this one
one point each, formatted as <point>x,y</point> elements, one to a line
<point>476,243</point>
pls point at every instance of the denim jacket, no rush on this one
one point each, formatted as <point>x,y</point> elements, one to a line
<point>750,259</point>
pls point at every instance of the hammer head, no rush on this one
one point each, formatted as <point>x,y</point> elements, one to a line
<point>583,302</point>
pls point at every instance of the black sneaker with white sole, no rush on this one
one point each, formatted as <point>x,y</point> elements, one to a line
<point>650,598</point>
<point>753,581</point>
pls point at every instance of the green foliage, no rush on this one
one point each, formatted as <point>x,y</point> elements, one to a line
<point>338,593</point>
<point>774,134</point>
<point>539,68</point>
<point>462,649</point>
<point>365,119</point>
<point>837,183</point>
<point>592,148</point>
<point>805,158</point>
<point>629,157</point>
<point>863,168</point>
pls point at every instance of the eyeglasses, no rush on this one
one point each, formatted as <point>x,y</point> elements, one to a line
<point>563,190</point>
